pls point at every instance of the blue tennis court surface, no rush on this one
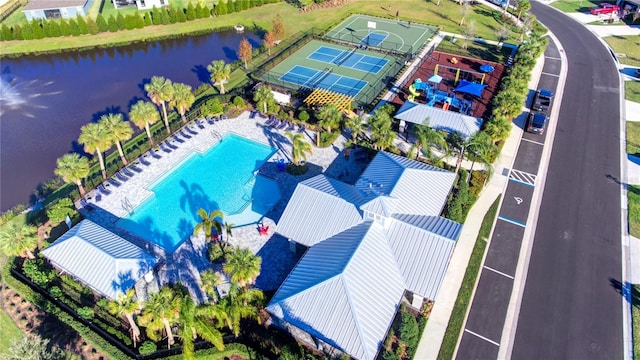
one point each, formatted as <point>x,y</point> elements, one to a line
<point>373,39</point>
<point>348,58</point>
<point>312,78</point>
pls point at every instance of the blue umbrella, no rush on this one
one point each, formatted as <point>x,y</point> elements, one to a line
<point>486,68</point>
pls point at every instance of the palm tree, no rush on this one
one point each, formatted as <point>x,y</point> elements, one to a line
<point>18,239</point>
<point>242,266</point>
<point>300,148</point>
<point>96,139</point>
<point>160,90</point>
<point>161,311</point>
<point>356,125</point>
<point>381,132</point>
<point>125,305</point>
<point>498,128</point>
<point>220,73</point>
<point>210,280</point>
<point>119,130</point>
<point>241,303</point>
<point>143,114</point>
<point>73,168</point>
<point>329,118</point>
<point>427,137</point>
<point>183,98</point>
<point>196,320</point>
<point>528,22</point>
<point>465,10</point>
<point>229,229</point>
<point>209,222</point>
<point>264,96</point>
<point>482,148</point>
<point>522,6</point>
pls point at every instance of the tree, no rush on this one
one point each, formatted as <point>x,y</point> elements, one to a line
<point>221,7</point>
<point>191,12</point>
<point>242,266</point>
<point>502,34</point>
<point>329,118</point>
<point>409,330</point>
<point>245,51</point>
<point>210,280</point>
<point>469,33</point>
<point>428,137</point>
<point>465,10</point>
<point>220,73</point>
<point>60,210</point>
<point>18,239</point>
<point>160,313</point>
<point>240,303</point>
<point>278,28</point>
<point>92,27</point>
<point>269,41</point>
<point>208,223</point>
<point>101,23</point>
<point>300,148</point>
<point>73,168</point>
<point>160,90</point>
<point>483,150</point>
<point>528,22</point>
<point>96,140</point>
<point>356,125</point>
<point>126,305</point>
<point>197,320</point>
<point>119,130</point>
<point>33,347</point>
<point>264,96</point>
<point>381,133</point>
<point>143,114</point>
<point>183,99</point>
<point>522,6</point>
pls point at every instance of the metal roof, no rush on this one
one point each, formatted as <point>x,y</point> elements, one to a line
<point>53,4</point>
<point>345,290</point>
<point>439,119</point>
<point>420,188</point>
<point>103,260</point>
<point>435,224</point>
<point>422,256</point>
<point>382,205</point>
<point>320,207</point>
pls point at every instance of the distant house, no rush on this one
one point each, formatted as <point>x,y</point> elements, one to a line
<point>56,9</point>
<point>102,260</point>
<point>140,4</point>
<point>371,246</point>
<point>438,119</point>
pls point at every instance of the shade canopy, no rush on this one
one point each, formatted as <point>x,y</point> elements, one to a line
<point>487,68</point>
<point>435,78</point>
<point>471,88</point>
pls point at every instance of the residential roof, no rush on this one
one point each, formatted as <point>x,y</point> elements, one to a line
<point>53,4</point>
<point>103,260</point>
<point>320,207</point>
<point>345,290</point>
<point>439,119</point>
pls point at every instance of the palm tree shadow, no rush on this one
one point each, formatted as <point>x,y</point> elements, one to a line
<point>202,73</point>
<point>628,291</point>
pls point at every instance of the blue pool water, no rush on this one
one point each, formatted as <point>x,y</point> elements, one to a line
<point>222,178</point>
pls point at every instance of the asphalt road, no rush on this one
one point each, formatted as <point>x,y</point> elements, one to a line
<point>571,306</point>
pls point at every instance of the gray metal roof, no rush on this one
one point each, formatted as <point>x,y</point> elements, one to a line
<point>53,4</point>
<point>345,290</point>
<point>382,205</point>
<point>422,256</point>
<point>320,207</point>
<point>435,224</point>
<point>103,260</point>
<point>420,188</point>
<point>439,119</point>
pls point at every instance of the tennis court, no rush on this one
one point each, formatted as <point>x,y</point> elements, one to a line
<point>311,78</point>
<point>348,58</point>
<point>387,34</point>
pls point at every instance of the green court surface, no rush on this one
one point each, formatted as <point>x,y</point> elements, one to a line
<point>388,34</point>
<point>347,70</point>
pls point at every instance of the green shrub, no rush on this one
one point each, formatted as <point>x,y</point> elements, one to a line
<point>86,312</point>
<point>36,270</point>
<point>327,138</point>
<point>56,292</point>
<point>409,330</point>
<point>294,169</point>
<point>238,102</point>
<point>303,116</point>
<point>147,347</point>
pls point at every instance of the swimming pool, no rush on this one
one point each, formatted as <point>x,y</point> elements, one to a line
<point>222,178</point>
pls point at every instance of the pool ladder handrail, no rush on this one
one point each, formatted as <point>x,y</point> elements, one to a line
<point>127,206</point>
<point>216,134</point>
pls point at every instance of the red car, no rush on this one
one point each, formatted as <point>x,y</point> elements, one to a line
<point>604,8</point>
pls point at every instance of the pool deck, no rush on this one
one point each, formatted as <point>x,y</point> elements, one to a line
<point>130,189</point>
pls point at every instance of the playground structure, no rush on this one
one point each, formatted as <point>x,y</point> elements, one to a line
<point>468,74</point>
<point>433,96</point>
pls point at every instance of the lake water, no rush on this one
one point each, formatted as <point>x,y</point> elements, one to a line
<point>44,100</point>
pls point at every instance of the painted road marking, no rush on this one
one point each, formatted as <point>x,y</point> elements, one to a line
<point>498,272</point>
<point>482,337</point>
<point>512,221</point>
<point>552,58</point>
<point>549,74</point>
<point>533,141</point>
<point>522,177</point>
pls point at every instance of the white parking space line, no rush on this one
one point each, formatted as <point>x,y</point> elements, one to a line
<point>498,272</point>
<point>549,74</point>
<point>552,58</point>
<point>533,141</point>
<point>482,337</point>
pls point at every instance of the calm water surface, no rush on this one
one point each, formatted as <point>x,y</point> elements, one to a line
<point>44,100</point>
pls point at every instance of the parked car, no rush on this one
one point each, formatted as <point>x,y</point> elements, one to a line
<point>542,102</point>
<point>604,8</point>
<point>536,122</point>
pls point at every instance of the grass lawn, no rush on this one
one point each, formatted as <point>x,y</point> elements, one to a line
<point>575,5</point>
<point>632,91</point>
<point>633,198</point>
<point>475,49</point>
<point>635,296</point>
<point>445,16</point>
<point>9,332</point>
<point>464,295</point>
<point>633,138</point>
<point>627,45</point>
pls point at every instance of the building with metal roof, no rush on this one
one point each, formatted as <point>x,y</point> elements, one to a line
<point>438,119</point>
<point>102,260</point>
<point>388,239</point>
<point>55,9</point>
